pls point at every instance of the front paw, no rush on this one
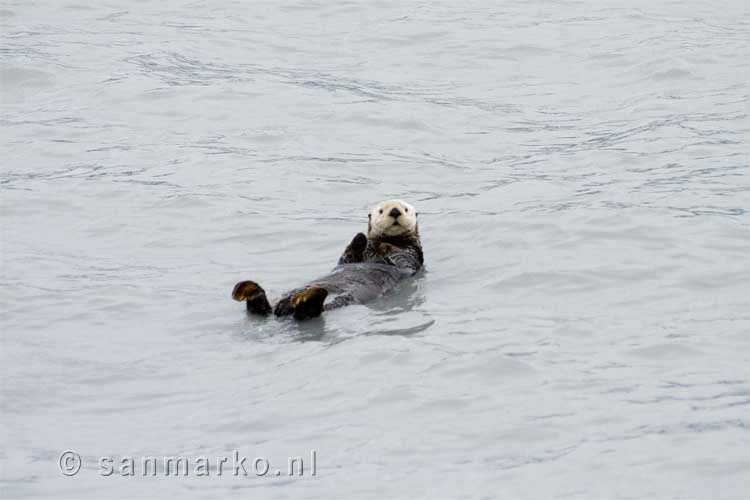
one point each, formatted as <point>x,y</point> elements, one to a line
<point>359,243</point>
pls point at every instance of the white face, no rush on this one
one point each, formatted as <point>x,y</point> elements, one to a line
<point>392,218</point>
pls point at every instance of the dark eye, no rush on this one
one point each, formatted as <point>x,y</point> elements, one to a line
<point>406,210</point>
<point>381,210</point>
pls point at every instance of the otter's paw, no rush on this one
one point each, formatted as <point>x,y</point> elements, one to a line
<point>358,244</point>
<point>283,307</point>
<point>254,295</point>
<point>308,303</point>
<point>355,251</point>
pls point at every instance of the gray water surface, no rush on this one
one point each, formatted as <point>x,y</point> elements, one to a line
<point>582,172</point>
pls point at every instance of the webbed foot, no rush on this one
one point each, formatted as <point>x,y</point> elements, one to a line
<point>283,306</point>
<point>308,303</point>
<point>254,295</point>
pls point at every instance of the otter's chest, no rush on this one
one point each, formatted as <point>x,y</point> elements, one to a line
<point>378,251</point>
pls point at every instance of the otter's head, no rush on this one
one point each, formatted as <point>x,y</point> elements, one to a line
<point>392,218</point>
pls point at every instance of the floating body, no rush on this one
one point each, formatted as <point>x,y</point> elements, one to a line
<point>371,265</point>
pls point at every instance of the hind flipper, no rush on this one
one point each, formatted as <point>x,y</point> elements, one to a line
<point>303,304</point>
<point>309,302</point>
<point>284,306</point>
<point>254,295</point>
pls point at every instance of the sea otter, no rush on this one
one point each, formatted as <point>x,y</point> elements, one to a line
<point>369,266</point>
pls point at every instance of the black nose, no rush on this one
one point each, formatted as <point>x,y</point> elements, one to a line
<point>395,212</point>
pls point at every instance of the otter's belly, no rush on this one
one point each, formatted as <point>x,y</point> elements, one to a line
<point>363,281</point>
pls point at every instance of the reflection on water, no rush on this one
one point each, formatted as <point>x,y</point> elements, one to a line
<point>581,173</point>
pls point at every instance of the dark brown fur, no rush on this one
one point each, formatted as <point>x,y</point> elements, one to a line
<point>367,268</point>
